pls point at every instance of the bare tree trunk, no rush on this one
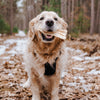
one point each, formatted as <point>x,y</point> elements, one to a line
<point>43,3</point>
<point>97,28</point>
<point>72,13</point>
<point>64,9</point>
<point>69,15</point>
<point>29,9</point>
<point>69,3</point>
<point>34,7</point>
<point>80,2</point>
<point>27,12</point>
<point>99,24</point>
<point>76,2</point>
<point>11,17</point>
<point>39,3</point>
<point>92,17</point>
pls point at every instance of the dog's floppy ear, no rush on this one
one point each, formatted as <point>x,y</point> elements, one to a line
<point>31,32</point>
<point>65,25</point>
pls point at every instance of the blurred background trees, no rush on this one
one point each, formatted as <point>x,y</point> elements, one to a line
<point>83,16</point>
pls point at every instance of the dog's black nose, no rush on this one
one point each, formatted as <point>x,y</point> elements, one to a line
<point>49,23</point>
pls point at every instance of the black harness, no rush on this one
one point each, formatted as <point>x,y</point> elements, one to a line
<point>50,69</point>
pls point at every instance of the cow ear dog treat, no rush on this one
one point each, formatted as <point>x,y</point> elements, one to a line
<point>62,34</point>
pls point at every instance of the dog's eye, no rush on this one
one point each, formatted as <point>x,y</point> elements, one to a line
<point>55,19</point>
<point>41,18</point>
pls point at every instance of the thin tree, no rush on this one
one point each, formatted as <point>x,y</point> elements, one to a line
<point>97,28</point>
<point>72,18</point>
<point>64,9</point>
<point>92,17</point>
<point>69,14</point>
<point>11,17</point>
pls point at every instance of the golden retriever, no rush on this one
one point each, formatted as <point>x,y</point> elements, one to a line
<point>45,56</point>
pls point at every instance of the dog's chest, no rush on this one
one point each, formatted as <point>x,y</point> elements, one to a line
<point>50,69</point>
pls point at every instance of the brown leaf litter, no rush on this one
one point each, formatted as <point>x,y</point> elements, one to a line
<point>80,81</point>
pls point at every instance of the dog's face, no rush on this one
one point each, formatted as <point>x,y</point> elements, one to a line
<point>45,25</point>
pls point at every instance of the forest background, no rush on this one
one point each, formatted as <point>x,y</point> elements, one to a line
<point>82,16</point>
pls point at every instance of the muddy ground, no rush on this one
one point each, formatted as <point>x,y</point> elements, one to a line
<point>80,81</point>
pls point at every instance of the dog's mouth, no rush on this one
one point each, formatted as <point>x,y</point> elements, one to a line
<point>47,37</point>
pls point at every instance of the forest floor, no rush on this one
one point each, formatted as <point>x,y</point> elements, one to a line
<point>80,81</point>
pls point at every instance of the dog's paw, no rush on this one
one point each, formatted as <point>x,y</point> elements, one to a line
<point>26,84</point>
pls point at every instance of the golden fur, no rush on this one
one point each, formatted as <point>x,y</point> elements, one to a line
<point>39,52</point>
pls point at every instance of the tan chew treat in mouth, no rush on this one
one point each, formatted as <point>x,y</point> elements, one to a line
<point>60,33</point>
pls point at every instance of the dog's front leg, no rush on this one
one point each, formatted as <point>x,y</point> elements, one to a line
<point>55,88</point>
<point>35,91</point>
<point>35,87</point>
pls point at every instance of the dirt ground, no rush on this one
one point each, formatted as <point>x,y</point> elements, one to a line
<point>80,80</point>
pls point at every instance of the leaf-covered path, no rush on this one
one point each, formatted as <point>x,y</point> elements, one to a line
<point>80,81</point>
